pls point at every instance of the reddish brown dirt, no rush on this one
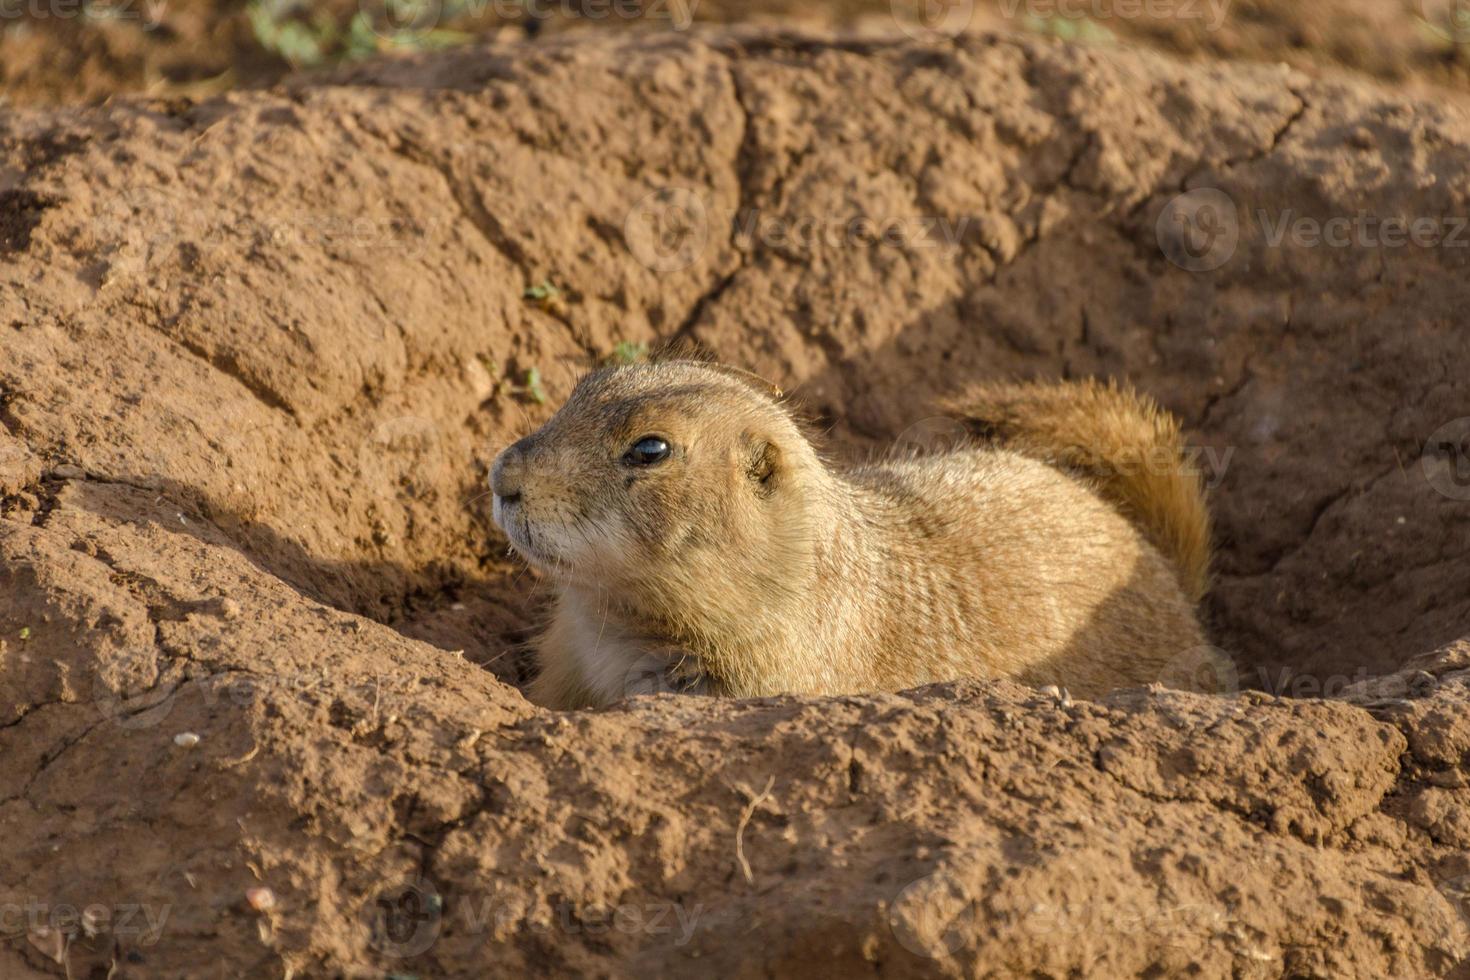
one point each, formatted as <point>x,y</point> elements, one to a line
<point>91,50</point>
<point>256,351</point>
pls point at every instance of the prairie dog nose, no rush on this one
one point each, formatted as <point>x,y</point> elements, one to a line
<point>508,473</point>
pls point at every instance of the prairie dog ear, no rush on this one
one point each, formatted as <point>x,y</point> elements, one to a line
<point>748,378</point>
<point>764,464</point>
<point>752,379</point>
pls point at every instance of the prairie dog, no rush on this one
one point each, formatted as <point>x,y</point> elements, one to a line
<point>698,539</point>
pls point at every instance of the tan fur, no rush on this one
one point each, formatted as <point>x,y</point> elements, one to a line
<point>746,565</point>
<point>1130,448</point>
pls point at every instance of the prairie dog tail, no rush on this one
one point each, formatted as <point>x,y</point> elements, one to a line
<point>1124,442</point>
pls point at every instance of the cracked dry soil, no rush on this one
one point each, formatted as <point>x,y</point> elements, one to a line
<point>256,351</point>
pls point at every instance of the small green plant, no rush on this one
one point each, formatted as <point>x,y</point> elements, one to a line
<point>533,386</point>
<point>1069,28</point>
<point>306,36</point>
<point>549,298</point>
<point>25,632</point>
<point>284,28</point>
<point>628,352</point>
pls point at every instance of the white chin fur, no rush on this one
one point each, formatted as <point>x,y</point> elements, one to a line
<point>514,525</point>
<point>602,546</point>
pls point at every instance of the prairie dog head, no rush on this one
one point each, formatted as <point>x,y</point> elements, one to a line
<point>662,481</point>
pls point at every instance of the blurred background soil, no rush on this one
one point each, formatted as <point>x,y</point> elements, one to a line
<point>87,50</point>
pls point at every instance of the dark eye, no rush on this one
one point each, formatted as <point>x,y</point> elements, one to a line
<point>647,451</point>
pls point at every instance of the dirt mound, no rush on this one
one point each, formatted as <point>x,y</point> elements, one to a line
<point>256,352</point>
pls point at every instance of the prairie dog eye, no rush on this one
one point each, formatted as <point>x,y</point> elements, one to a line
<point>647,451</point>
